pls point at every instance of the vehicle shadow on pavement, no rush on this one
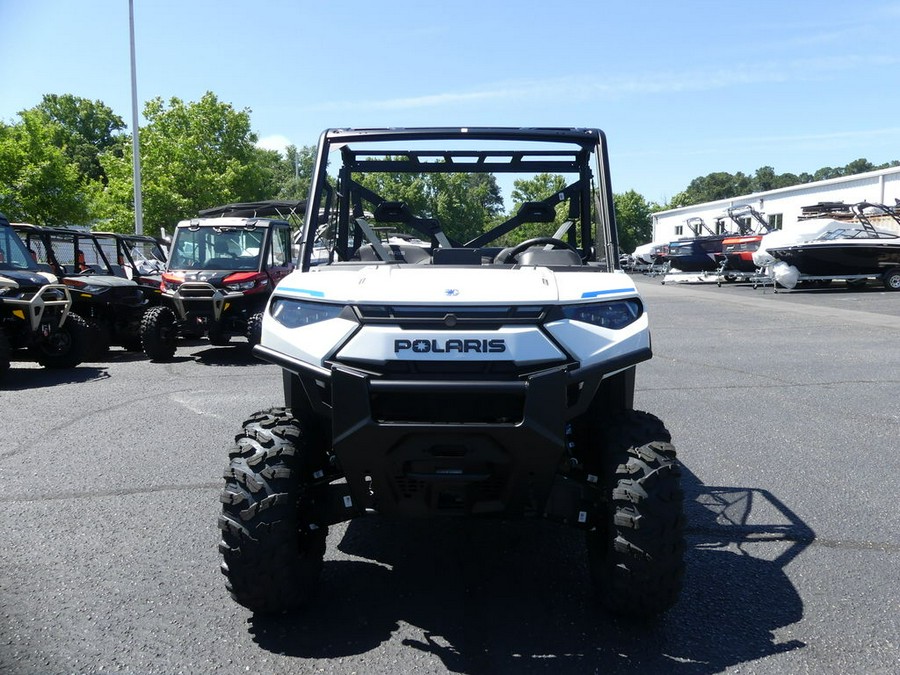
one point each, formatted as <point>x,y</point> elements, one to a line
<point>20,379</point>
<point>115,355</point>
<point>232,355</point>
<point>514,596</point>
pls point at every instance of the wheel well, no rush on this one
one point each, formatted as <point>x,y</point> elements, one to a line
<point>296,399</point>
<point>615,392</point>
<point>293,389</point>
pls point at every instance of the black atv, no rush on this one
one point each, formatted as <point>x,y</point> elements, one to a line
<point>34,310</point>
<point>219,276</point>
<point>112,304</point>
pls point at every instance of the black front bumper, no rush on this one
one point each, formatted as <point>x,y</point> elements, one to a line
<point>419,468</point>
<point>509,459</point>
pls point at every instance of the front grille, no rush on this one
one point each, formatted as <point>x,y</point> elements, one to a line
<point>189,291</point>
<point>454,370</point>
<point>450,371</point>
<point>464,317</point>
<point>447,407</point>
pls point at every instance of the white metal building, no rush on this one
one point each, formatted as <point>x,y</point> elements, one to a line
<point>782,207</point>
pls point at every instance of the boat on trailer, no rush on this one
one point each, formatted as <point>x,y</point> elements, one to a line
<point>736,257</point>
<point>697,253</point>
<point>851,251</point>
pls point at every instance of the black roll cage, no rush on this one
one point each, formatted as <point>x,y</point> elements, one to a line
<point>569,160</point>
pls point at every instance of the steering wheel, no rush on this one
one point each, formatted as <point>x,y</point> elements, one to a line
<point>510,254</point>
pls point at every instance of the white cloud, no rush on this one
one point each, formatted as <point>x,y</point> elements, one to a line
<point>275,142</point>
<point>589,87</point>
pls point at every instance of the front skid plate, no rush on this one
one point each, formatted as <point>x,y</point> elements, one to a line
<point>418,469</point>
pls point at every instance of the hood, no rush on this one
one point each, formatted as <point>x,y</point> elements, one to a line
<point>25,279</point>
<point>98,280</point>
<point>427,284</point>
<point>214,277</point>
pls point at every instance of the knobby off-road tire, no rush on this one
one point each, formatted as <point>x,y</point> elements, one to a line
<point>101,339</point>
<point>636,554</point>
<point>5,354</point>
<point>217,336</point>
<point>131,340</point>
<point>254,329</point>
<point>272,556</point>
<point>66,346</point>
<point>158,333</point>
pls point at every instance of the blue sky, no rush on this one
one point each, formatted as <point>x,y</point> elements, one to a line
<point>681,88</point>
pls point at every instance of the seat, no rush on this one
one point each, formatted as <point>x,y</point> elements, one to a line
<point>457,256</point>
<point>539,256</point>
<point>403,253</point>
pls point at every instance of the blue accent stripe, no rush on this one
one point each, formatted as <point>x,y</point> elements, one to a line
<point>594,294</point>
<point>303,291</point>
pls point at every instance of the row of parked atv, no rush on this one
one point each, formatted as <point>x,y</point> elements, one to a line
<point>67,295</point>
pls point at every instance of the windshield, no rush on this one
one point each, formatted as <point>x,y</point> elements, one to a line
<point>13,254</point>
<point>145,250</point>
<point>216,248</point>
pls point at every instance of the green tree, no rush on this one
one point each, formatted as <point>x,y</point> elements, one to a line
<point>861,165</point>
<point>38,182</point>
<point>465,204</point>
<point>718,185</point>
<point>83,129</point>
<point>633,219</point>
<point>827,172</point>
<point>468,203</point>
<point>721,185</point>
<point>293,172</point>
<point>536,189</point>
<point>193,156</point>
<point>764,179</point>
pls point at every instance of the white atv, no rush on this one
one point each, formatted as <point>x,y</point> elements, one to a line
<point>485,373</point>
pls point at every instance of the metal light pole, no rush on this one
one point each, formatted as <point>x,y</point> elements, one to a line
<point>136,146</point>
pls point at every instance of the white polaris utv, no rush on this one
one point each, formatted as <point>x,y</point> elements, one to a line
<point>449,360</point>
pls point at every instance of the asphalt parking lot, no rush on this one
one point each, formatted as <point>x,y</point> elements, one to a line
<point>784,410</point>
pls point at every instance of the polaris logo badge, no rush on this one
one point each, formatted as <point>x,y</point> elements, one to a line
<point>450,346</point>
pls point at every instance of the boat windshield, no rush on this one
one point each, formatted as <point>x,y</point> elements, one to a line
<point>855,233</point>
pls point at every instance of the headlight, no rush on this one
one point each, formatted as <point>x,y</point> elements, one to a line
<point>93,289</point>
<point>614,315</point>
<point>297,313</point>
<point>54,294</point>
<point>245,285</point>
<point>171,282</point>
<point>244,281</point>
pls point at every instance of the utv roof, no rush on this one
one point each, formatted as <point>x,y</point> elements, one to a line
<point>559,134</point>
<point>502,149</point>
<point>262,209</point>
<point>227,222</point>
